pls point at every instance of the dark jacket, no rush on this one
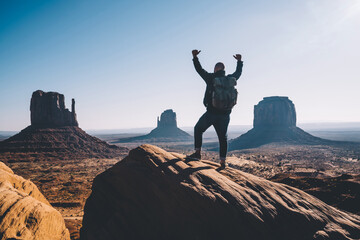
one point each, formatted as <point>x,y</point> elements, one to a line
<point>208,78</point>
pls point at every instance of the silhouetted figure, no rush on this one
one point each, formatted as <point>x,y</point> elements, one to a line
<point>220,97</point>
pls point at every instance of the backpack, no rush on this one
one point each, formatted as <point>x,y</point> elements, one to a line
<point>224,96</point>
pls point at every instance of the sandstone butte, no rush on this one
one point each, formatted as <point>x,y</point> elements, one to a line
<point>54,134</point>
<point>166,131</point>
<point>154,194</point>
<point>25,213</point>
<point>275,122</point>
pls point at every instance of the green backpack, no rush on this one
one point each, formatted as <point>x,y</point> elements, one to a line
<point>224,96</point>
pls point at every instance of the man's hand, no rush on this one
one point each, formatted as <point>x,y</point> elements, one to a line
<point>195,52</point>
<point>237,57</point>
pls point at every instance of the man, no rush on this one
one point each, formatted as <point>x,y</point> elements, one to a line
<point>213,116</point>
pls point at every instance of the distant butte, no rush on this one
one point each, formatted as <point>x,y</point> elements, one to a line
<point>166,130</point>
<point>48,109</point>
<point>275,122</point>
<point>54,134</point>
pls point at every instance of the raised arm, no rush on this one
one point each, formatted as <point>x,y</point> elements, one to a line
<point>204,74</point>
<point>239,67</point>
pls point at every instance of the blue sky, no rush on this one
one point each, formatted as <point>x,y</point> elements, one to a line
<point>126,61</point>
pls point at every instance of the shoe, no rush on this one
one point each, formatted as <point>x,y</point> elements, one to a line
<point>194,156</point>
<point>222,164</point>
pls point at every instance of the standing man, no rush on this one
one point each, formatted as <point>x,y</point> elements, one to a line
<point>220,97</point>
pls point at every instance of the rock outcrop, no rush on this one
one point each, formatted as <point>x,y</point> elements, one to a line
<point>342,192</point>
<point>166,131</point>
<point>167,119</point>
<point>154,194</point>
<point>25,212</point>
<point>54,134</point>
<point>275,112</point>
<point>48,110</point>
<point>275,122</point>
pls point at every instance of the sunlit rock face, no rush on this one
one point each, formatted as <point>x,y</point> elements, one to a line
<point>25,212</point>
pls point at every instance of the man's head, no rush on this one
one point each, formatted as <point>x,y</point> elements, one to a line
<point>219,67</point>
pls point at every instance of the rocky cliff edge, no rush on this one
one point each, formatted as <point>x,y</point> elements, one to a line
<point>154,194</point>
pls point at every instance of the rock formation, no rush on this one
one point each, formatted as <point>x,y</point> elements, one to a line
<point>275,112</point>
<point>25,212</point>
<point>165,131</point>
<point>274,122</point>
<point>48,109</point>
<point>167,119</point>
<point>154,194</point>
<point>341,191</point>
<point>54,134</point>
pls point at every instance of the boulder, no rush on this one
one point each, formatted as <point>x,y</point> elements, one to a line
<point>25,212</point>
<point>154,194</point>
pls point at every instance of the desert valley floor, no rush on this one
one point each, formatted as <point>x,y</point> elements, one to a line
<point>329,173</point>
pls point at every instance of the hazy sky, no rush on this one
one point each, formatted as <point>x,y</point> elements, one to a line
<point>127,61</point>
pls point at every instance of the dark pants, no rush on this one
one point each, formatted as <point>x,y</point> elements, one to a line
<point>220,123</point>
